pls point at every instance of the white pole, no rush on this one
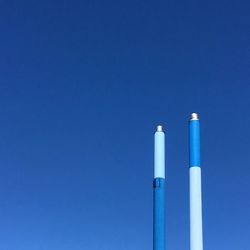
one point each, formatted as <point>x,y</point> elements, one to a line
<point>159,159</point>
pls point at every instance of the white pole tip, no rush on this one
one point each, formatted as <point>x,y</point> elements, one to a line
<point>159,128</point>
<point>194,116</point>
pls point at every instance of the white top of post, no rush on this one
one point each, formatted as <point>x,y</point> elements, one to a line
<point>159,153</point>
<point>194,116</point>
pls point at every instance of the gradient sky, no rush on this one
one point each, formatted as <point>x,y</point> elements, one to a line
<point>83,85</point>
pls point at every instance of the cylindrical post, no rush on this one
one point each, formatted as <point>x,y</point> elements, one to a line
<point>196,241</point>
<point>159,190</point>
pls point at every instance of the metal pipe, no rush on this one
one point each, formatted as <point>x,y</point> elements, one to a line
<point>196,238</point>
<point>159,190</point>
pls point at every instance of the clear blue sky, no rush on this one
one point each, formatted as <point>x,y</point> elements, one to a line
<point>83,85</point>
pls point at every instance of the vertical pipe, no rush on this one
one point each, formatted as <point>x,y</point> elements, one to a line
<point>196,241</point>
<point>159,190</point>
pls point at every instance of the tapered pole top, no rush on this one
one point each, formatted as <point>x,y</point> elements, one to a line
<point>159,153</point>
<point>194,141</point>
<point>194,116</point>
<point>159,128</point>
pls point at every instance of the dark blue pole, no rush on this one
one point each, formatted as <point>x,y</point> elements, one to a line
<point>159,214</point>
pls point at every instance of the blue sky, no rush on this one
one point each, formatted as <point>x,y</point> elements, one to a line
<point>83,85</point>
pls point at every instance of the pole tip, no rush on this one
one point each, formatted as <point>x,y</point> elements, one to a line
<point>159,128</point>
<point>194,116</point>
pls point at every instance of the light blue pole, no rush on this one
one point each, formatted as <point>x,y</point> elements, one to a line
<point>196,238</point>
<point>159,191</point>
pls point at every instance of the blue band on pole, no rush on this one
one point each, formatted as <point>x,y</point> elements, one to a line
<point>159,214</point>
<point>194,141</point>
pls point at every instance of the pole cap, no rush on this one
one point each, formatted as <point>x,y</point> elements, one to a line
<point>194,116</point>
<point>159,128</point>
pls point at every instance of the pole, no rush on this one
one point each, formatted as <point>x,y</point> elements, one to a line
<point>159,190</point>
<point>196,241</point>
